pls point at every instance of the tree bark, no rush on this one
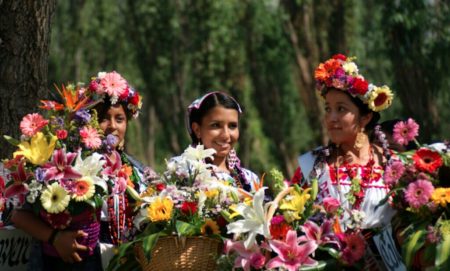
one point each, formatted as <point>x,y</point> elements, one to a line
<point>24,50</point>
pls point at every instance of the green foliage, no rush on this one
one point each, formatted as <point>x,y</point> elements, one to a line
<point>174,51</point>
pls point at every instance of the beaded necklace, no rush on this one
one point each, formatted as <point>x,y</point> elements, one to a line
<point>120,211</point>
<point>356,194</point>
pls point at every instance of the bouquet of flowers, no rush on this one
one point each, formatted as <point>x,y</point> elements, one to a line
<point>57,170</point>
<point>186,201</point>
<point>291,232</point>
<point>420,196</point>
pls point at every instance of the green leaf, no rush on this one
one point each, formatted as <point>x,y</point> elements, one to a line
<point>442,261</point>
<point>320,266</point>
<point>412,244</point>
<point>133,193</point>
<point>11,140</point>
<point>333,252</point>
<point>185,229</point>
<point>148,243</point>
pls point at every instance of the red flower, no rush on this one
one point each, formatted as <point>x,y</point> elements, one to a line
<point>354,248</point>
<point>135,99</point>
<point>58,221</point>
<point>160,186</point>
<point>279,231</point>
<point>427,160</point>
<point>124,95</point>
<point>360,86</point>
<point>61,134</point>
<point>188,208</point>
<point>340,56</point>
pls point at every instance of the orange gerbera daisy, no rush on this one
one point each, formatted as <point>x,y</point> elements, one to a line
<point>427,160</point>
<point>325,70</point>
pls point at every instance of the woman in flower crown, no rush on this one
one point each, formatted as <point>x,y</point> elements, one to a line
<point>350,169</point>
<point>213,121</point>
<point>115,104</point>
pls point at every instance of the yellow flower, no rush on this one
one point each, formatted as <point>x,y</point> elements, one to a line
<point>441,196</point>
<point>295,202</point>
<point>39,151</point>
<point>55,198</point>
<point>160,210</point>
<point>84,189</point>
<point>234,211</point>
<point>212,193</point>
<point>210,227</point>
<point>350,68</point>
<point>380,98</point>
<point>148,192</point>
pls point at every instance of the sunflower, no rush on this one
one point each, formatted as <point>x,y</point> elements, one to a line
<point>210,227</point>
<point>84,189</point>
<point>55,198</point>
<point>160,210</point>
<point>380,98</point>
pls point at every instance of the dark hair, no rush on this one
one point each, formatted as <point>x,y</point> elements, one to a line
<point>209,102</point>
<point>363,109</point>
<point>103,107</point>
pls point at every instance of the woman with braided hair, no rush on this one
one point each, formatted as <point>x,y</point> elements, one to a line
<point>213,121</point>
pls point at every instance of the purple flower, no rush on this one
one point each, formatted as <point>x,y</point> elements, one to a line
<point>39,174</point>
<point>83,116</point>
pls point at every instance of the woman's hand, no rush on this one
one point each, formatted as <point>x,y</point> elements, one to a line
<point>67,246</point>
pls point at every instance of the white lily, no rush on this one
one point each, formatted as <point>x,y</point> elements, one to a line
<point>90,167</point>
<point>198,153</point>
<point>254,221</point>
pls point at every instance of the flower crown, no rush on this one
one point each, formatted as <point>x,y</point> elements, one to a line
<point>112,84</point>
<point>340,72</point>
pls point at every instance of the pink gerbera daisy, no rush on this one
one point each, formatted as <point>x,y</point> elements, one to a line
<point>393,172</point>
<point>405,132</point>
<point>90,137</point>
<point>418,193</point>
<point>32,123</point>
<point>114,84</point>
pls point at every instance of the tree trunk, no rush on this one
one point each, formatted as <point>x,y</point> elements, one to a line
<point>24,49</point>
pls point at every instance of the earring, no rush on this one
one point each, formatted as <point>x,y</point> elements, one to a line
<point>121,145</point>
<point>360,139</point>
<point>232,159</point>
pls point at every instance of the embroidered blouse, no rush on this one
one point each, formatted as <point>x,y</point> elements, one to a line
<point>339,185</point>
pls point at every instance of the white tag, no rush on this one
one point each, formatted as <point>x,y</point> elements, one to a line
<point>388,252</point>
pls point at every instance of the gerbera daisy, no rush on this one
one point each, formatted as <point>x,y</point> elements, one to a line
<point>393,172</point>
<point>90,137</point>
<point>32,123</point>
<point>113,84</point>
<point>327,69</point>
<point>83,189</point>
<point>210,227</point>
<point>380,98</point>
<point>405,132</point>
<point>55,198</point>
<point>427,160</point>
<point>441,196</point>
<point>354,248</point>
<point>160,210</point>
<point>418,193</point>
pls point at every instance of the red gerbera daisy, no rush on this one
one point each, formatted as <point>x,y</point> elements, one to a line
<point>427,160</point>
<point>354,248</point>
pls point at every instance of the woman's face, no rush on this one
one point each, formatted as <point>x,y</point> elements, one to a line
<point>342,118</point>
<point>114,122</point>
<point>218,130</point>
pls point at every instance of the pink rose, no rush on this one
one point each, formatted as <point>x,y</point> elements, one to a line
<point>61,134</point>
<point>331,205</point>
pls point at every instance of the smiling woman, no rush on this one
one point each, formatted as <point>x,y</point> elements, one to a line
<point>213,121</point>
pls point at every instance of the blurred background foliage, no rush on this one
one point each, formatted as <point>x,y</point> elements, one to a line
<point>263,52</point>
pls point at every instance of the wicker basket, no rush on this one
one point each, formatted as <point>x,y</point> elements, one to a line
<point>181,253</point>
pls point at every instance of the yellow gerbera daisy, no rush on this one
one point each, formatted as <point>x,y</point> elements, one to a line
<point>441,196</point>
<point>84,189</point>
<point>380,98</point>
<point>210,227</point>
<point>55,198</point>
<point>160,210</point>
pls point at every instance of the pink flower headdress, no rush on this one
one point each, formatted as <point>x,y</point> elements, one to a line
<point>117,89</point>
<point>340,72</point>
